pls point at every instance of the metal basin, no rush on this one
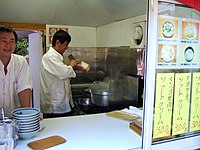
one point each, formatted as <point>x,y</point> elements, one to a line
<point>84,104</point>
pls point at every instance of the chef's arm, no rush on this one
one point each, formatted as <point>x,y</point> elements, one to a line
<point>25,98</point>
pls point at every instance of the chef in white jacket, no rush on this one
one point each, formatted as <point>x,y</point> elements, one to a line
<point>55,96</point>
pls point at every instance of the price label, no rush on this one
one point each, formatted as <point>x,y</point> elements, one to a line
<point>163,104</point>
<point>181,103</point>
<point>195,103</point>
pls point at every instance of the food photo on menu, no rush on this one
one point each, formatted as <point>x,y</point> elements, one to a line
<point>188,54</point>
<point>168,28</point>
<point>190,30</point>
<point>167,53</point>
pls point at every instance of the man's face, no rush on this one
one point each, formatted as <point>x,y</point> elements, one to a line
<point>7,44</point>
<point>62,47</point>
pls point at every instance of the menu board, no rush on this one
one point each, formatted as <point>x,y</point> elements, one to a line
<point>181,103</point>
<point>163,104</point>
<point>178,43</point>
<point>195,103</point>
<point>50,30</point>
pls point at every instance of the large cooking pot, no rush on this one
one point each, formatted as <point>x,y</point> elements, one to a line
<point>100,93</point>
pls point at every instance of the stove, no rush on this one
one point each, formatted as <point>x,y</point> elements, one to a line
<point>82,93</point>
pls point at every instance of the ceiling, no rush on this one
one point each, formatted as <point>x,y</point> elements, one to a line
<point>89,13</point>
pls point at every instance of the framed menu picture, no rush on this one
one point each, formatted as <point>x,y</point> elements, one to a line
<point>50,30</point>
<point>178,43</point>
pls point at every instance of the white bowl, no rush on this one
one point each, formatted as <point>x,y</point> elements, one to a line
<point>27,122</point>
<point>25,112</point>
<point>27,135</point>
<point>26,118</point>
<point>29,125</point>
<point>22,127</point>
<point>29,130</point>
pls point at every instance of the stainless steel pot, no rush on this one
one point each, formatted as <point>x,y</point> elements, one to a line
<point>100,98</point>
<point>100,93</point>
<point>84,104</point>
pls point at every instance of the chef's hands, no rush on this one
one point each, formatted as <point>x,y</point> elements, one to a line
<point>74,62</point>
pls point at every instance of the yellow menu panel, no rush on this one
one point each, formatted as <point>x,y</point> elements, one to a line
<point>163,104</point>
<point>181,103</point>
<point>195,103</point>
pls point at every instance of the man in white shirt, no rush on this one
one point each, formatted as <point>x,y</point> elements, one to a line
<point>15,80</point>
<point>55,96</point>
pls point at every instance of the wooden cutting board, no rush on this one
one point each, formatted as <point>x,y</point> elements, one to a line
<point>122,115</point>
<point>136,128</point>
<point>46,142</point>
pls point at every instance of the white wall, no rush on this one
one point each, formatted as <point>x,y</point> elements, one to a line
<point>82,36</point>
<point>118,33</point>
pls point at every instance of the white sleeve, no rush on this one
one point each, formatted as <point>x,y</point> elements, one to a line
<point>23,77</point>
<point>57,68</point>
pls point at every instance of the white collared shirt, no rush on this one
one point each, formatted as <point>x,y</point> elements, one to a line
<point>55,95</point>
<point>16,80</point>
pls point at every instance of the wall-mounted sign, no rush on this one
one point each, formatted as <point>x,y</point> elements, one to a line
<point>163,104</point>
<point>50,30</point>
<point>181,103</point>
<point>195,103</point>
<point>178,43</point>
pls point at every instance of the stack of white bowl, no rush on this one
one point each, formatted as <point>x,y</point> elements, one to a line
<point>29,119</point>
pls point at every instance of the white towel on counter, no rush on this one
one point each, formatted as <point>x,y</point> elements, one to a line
<point>133,110</point>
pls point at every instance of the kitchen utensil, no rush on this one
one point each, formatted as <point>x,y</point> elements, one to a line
<point>84,104</point>
<point>46,142</point>
<point>100,93</point>
<point>2,113</point>
<point>122,115</point>
<point>71,57</point>
<point>100,98</point>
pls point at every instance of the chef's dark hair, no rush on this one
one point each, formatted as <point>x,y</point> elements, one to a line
<point>62,36</point>
<point>9,30</point>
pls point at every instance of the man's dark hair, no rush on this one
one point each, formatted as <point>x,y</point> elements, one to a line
<point>62,36</point>
<point>9,30</point>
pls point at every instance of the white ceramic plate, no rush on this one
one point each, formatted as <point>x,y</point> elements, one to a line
<point>167,53</point>
<point>168,29</point>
